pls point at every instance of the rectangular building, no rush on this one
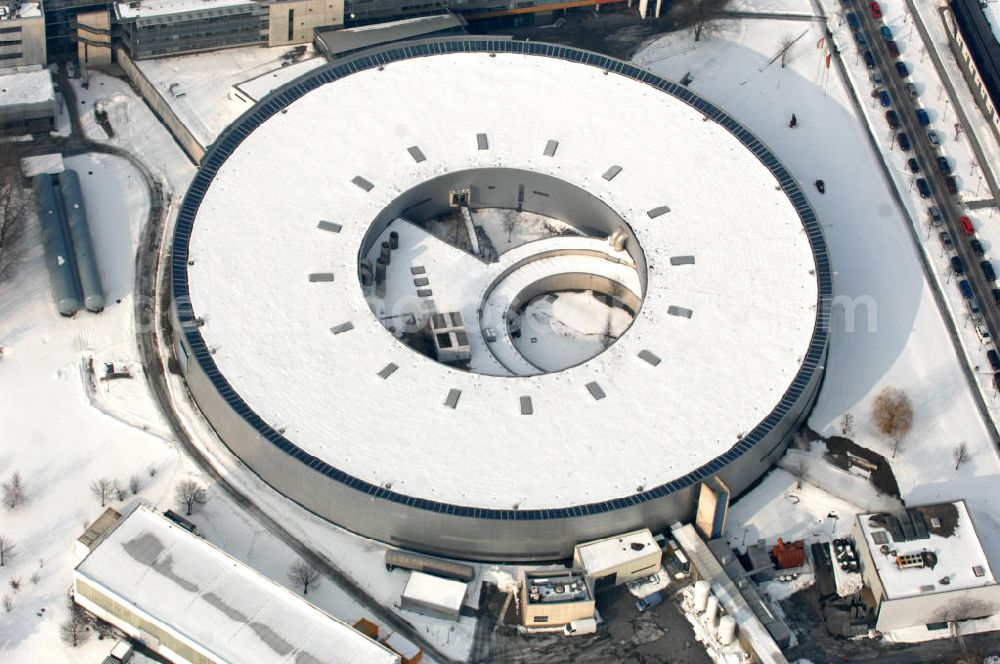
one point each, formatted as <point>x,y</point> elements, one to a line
<point>190,602</point>
<point>27,101</point>
<point>22,34</point>
<point>975,33</point>
<point>616,560</point>
<point>925,566</point>
<point>552,599</point>
<point>433,596</point>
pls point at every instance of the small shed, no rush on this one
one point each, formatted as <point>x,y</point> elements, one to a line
<point>433,596</point>
<point>85,542</point>
<point>616,560</point>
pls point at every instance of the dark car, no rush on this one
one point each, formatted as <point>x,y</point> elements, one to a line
<point>977,247</point>
<point>884,98</point>
<point>996,296</point>
<point>933,138</point>
<point>892,119</point>
<point>852,20</point>
<point>967,226</point>
<point>904,140</point>
<point>876,9</point>
<point>860,38</point>
<point>886,32</point>
<point>922,117</point>
<point>893,48</point>
<point>913,165</point>
<point>966,288</point>
<point>944,166</point>
<point>957,266</point>
<point>945,238</point>
<point>952,184</point>
<point>902,70</point>
<point>988,270</point>
<point>994,358</point>
<point>911,89</point>
<point>869,60</point>
<point>923,188</point>
<point>935,215</point>
<point>649,601</point>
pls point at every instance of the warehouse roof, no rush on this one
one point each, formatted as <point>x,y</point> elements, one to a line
<point>215,601</point>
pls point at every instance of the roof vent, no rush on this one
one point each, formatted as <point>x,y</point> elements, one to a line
<point>638,546</point>
<point>979,570</point>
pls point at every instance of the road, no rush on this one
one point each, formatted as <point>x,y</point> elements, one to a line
<point>148,306</point>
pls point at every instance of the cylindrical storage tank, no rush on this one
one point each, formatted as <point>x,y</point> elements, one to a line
<point>59,260</point>
<point>711,608</point>
<point>79,232</point>
<point>393,240</point>
<point>366,272</point>
<point>727,630</point>
<point>701,589</point>
<point>386,252</point>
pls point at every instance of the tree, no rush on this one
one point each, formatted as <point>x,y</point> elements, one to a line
<point>303,574</point>
<point>702,16</point>
<point>509,221</point>
<point>134,484</point>
<point>893,415</point>
<point>785,45</point>
<point>190,495</point>
<point>14,491</point>
<point>847,424</point>
<point>119,490</point>
<point>8,602</point>
<point>960,454</point>
<point>76,629</point>
<point>102,490</point>
<point>14,202</point>
<point>6,549</point>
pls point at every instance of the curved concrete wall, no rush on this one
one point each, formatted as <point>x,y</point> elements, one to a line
<point>455,530</point>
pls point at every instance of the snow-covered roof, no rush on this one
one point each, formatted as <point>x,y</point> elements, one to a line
<point>149,8</point>
<point>31,87</point>
<point>435,590</point>
<point>257,87</point>
<point>952,540</point>
<point>991,8</point>
<point>228,609</point>
<point>609,553</point>
<point>752,290</point>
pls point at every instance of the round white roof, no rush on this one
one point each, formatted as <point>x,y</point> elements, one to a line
<point>752,289</point>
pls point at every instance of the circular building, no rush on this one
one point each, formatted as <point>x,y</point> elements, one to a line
<point>489,299</point>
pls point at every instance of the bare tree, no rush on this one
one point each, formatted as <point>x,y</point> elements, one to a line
<point>15,584</point>
<point>509,221</point>
<point>14,492</point>
<point>960,454</point>
<point>119,490</point>
<point>303,574</point>
<point>190,495</point>
<point>14,202</point>
<point>134,484</point>
<point>704,17</point>
<point>8,602</point>
<point>6,549</point>
<point>102,489</point>
<point>785,46</point>
<point>847,424</point>
<point>76,629</point>
<point>893,415</point>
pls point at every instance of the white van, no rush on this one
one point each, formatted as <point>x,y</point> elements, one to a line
<point>580,627</point>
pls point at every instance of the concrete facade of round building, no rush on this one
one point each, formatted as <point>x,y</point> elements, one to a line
<point>722,258</point>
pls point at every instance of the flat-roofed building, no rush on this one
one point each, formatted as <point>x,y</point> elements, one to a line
<point>22,34</point>
<point>27,101</point>
<point>189,601</point>
<point>925,566</point>
<point>616,560</point>
<point>554,598</point>
<point>974,28</point>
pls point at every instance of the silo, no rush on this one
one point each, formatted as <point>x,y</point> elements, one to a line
<point>79,233</point>
<point>59,260</point>
<point>727,630</point>
<point>711,609</point>
<point>701,588</point>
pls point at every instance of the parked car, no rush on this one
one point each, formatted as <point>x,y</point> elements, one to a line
<point>977,247</point>
<point>952,184</point>
<point>875,9</point>
<point>853,21</point>
<point>967,226</point>
<point>974,309</point>
<point>933,137</point>
<point>923,188</point>
<point>884,98</point>
<point>994,357</point>
<point>957,266</point>
<point>935,215</point>
<point>893,48</point>
<point>996,296</point>
<point>913,165</point>
<point>859,37</point>
<point>649,601</point>
<point>966,288</point>
<point>892,119</point>
<point>983,332</point>
<point>922,117</point>
<point>943,165</point>
<point>580,627</point>
<point>945,238</point>
<point>902,70</point>
<point>911,89</point>
<point>886,32</point>
<point>988,270</point>
<point>904,141</point>
<point>869,60</point>
<point>877,79</point>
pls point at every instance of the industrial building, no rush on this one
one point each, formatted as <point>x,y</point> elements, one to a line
<point>340,43</point>
<point>22,34</point>
<point>27,101</point>
<point>619,559</point>
<point>188,601</point>
<point>925,566</point>
<point>974,28</point>
<point>525,461</point>
<point>555,598</point>
<point>433,596</point>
